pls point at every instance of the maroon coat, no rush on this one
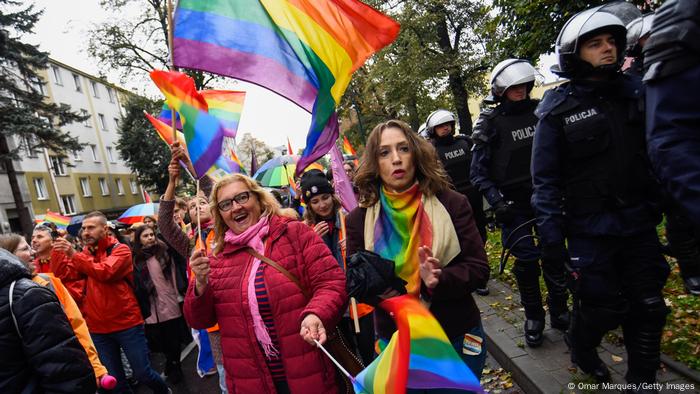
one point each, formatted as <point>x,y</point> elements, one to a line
<point>451,300</point>
<point>225,300</point>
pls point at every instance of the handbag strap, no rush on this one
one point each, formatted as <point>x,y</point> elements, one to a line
<point>12,312</point>
<point>279,268</point>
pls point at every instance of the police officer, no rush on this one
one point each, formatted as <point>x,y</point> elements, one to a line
<point>592,188</point>
<point>455,154</point>
<point>672,64</point>
<point>637,34</point>
<point>500,169</point>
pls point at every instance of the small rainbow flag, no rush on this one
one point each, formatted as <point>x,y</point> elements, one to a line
<point>235,158</point>
<point>418,356</point>
<point>56,218</point>
<point>303,50</point>
<point>347,147</point>
<point>166,116</point>
<point>225,105</point>
<point>203,132</point>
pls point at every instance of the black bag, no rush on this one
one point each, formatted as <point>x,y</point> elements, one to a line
<point>369,275</point>
<point>140,292</point>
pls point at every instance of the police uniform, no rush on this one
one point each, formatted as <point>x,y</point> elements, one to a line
<point>592,186</point>
<point>500,169</point>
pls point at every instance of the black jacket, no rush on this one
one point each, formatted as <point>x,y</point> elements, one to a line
<point>47,358</point>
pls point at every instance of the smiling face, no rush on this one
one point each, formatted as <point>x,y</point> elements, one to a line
<point>148,238</point>
<point>42,241</point>
<point>25,253</point>
<point>322,205</point>
<point>599,50</point>
<point>396,168</point>
<point>199,204</point>
<point>238,212</point>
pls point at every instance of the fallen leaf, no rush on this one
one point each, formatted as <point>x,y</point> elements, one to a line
<point>509,298</point>
<point>616,359</point>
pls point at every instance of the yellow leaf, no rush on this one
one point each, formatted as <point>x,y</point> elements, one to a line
<point>616,359</point>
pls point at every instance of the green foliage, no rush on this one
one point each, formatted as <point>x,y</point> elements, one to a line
<point>245,147</point>
<point>140,147</point>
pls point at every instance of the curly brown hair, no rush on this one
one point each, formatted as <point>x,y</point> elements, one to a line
<point>430,173</point>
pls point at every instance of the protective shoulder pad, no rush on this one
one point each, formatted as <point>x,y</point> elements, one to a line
<point>482,129</point>
<point>553,100</point>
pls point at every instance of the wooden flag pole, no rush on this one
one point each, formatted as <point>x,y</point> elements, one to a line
<point>353,301</point>
<point>199,220</point>
<point>169,9</point>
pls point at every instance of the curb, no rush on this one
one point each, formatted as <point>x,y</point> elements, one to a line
<point>681,368</point>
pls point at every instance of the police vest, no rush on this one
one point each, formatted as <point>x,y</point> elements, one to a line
<point>455,155</point>
<point>604,161</point>
<point>509,167</point>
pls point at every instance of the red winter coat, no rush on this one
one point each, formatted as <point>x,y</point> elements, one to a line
<point>298,249</point>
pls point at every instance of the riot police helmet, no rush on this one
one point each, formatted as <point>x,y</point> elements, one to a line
<point>422,131</point>
<point>608,18</point>
<point>510,72</point>
<point>637,30</point>
<point>438,117</point>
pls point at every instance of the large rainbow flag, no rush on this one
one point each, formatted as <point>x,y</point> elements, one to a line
<point>204,133</point>
<point>304,50</point>
<point>225,105</point>
<point>418,356</point>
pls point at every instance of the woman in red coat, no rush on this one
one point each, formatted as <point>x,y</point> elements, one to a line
<point>268,327</point>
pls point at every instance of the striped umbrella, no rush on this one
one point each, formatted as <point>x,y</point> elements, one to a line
<point>278,171</point>
<point>138,212</point>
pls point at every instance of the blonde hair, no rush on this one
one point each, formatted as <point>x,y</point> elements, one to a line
<point>267,201</point>
<point>430,173</point>
<point>289,213</point>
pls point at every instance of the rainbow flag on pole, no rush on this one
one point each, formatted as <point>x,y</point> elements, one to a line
<point>56,218</point>
<point>203,132</point>
<point>347,147</point>
<point>303,50</point>
<point>225,105</point>
<point>418,356</point>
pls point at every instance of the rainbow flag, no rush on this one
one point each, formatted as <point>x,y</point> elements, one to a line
<point>235,158</point>
<point>225,105</point>
<point>203,132</point>
<point>166,116</point>
<point>303,50</point>
<point>418,356</point>
<point>347,147</point>
<point>165,131</point>
<point>56,218</point>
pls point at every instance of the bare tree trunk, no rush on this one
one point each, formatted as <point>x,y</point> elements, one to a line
<point>24,218</point>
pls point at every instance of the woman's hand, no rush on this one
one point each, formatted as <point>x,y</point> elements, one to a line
<point>429,267</point>
<point>321,228</point>
<point>312,328</point>
<point>199,263</point>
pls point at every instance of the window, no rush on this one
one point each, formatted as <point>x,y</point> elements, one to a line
<point>85,187</point>
<point>38,85</point>
<point>57,75</point>
<point>86,122</point>
<point>103,123</point>
<point>95,90</point>
<point>57,166</point>
<point>69,204</point>
<point>76,155</point>
<point>110,155</point>
<point>120,187</point>
<point>104,189</point>
<point>40,187</point>
<point>76,81</point>
<point>132,184</point>
<point>29,145</point>
<point>110,93</point>
<point>116,123</point>
<point>93,149</point>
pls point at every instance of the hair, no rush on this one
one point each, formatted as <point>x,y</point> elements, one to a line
<point>430,173</point>
<point>10,242</point>
<point>350,163</point>
<point>311,217</point>
<point>267,201</point>
<point>137,246</point>
<point>46,227</point>
<point>149,217</point>
<point>96,214</point>
<point>181,203</point>
<point>289,213</point>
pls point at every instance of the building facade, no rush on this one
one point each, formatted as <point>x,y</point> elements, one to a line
<point>94,178</point>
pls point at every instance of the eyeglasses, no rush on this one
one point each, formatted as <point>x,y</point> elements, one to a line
<point>227,204</point>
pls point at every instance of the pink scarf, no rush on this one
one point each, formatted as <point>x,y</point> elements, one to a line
<point>253,237</point>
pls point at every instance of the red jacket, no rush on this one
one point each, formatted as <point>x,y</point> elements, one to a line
<point>109,303</point>
<point>73,280</point>
<point>298,249</point>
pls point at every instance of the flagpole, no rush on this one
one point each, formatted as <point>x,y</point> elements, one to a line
<point>337,364</point>
<point>169,9</point>
<point>199,220</point>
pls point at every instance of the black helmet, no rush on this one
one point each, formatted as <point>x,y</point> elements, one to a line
<point>608,18</point>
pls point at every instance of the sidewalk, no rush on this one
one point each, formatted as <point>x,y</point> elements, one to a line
<point>548,369</point>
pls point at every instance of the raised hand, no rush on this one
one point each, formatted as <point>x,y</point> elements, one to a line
<point>429,267</point>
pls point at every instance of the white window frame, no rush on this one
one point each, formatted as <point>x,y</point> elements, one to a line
<point>95,92</point>
<point>110,154</point>
<point>59,169</point>
<point>120,186</point>
<point>133,186</point>
<point>76,82</point>
<point>28,141</point>
<point>103,122</point>
<point>104,187</point>
<point>38,85</point>
<point>116,123</point>
<point>86,122</point>
<point>57,75</point>
<point>40,187</point>
<point>95,157</point>
<point>85,187</point>
<point>69,203</point>
<point>110,93</point>
<point>76,155</point>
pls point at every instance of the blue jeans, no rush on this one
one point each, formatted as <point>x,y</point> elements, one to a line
<point>133,342</point>
<point>474,362</point>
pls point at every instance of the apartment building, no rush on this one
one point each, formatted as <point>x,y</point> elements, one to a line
<point>94,178</point>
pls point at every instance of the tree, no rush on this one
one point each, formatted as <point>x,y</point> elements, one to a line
<point>245,147</point>
<point>134,47</point>
<point>24,114</point>
<point>143,151</point>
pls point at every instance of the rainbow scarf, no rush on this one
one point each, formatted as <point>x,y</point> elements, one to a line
<point>303,50</point>
<point>204,133</point>
<point>418,356</point>
<point>401,228</point>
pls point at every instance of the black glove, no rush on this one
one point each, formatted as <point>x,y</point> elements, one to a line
<point>369,275</point>
<point>503,212</point>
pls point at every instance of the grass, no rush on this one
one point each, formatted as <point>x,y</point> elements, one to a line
<point>681,335</point>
